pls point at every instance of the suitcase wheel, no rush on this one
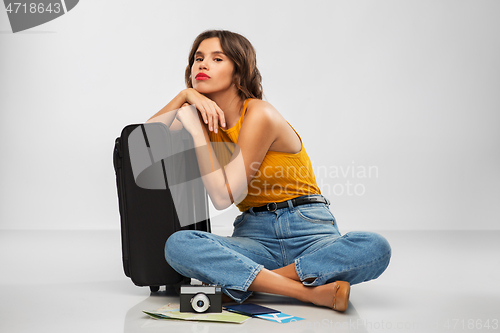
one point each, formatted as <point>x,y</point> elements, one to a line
<point>154,289</point>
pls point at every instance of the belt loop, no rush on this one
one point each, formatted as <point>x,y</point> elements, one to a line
<point>290,205</point>
<point>251,211</point>
<point>327,200</point>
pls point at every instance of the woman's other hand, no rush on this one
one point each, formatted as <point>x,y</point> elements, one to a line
<point>188,116</point>
<point>210,112</point>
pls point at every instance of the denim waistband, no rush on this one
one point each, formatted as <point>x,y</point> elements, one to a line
<point>290,206</point>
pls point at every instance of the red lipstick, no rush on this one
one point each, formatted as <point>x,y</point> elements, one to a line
<point>202,76</point>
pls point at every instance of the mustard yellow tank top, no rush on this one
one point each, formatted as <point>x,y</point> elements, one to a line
<point>280,177</point>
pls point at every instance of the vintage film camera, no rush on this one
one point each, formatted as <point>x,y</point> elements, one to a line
<point>201,299</point>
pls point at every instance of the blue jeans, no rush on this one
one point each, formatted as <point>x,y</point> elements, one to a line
<point>306,235</point>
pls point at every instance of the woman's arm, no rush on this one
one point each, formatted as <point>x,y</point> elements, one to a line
<point>167,114</point>
<point>229,184</point>
<point>208,109</point>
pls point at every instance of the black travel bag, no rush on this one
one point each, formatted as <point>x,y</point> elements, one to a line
<point>160,191</point>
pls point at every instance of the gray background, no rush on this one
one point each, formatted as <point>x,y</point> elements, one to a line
<point>409,88</point>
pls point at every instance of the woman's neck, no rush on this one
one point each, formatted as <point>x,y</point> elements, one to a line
<point>230,103</point>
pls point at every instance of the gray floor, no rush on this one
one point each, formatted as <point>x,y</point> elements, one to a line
<point>72,281</point>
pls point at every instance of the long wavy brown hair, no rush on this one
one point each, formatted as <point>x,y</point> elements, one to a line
<point>246,76</point>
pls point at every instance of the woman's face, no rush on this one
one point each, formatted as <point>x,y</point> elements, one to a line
<point>212,70</point>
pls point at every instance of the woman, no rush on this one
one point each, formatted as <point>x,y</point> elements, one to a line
<point>286,240</point>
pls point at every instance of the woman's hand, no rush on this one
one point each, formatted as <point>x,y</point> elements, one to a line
<point>209,110</point>
<point>188,116</point>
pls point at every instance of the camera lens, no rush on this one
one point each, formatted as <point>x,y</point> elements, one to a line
<point>200,302</point>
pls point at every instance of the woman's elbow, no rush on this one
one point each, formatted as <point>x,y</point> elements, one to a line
<point>221,202</point>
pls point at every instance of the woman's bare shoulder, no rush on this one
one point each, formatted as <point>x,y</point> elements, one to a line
<point>259,103</point>
<point>264,115</point>
<point>264,109</point>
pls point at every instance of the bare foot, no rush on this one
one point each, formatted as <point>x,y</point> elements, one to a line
<point>334,295</point>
